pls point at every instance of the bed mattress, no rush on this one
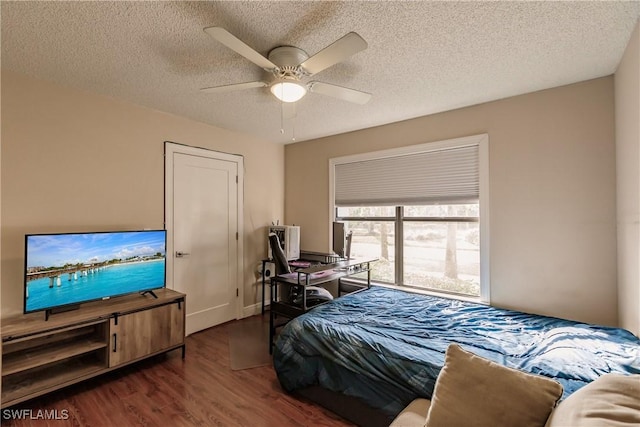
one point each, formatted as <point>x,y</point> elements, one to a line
<point>386,346</point>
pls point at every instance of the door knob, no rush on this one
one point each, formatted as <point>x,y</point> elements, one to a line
<point>181,254</point>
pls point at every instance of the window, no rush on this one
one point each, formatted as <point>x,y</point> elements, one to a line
<point>373,230</point>
<point>440,245</point>
<point>422,211</point>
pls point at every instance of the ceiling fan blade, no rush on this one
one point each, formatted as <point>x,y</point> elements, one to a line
<point>233,87</point>
<point>336,52</point>
<point>346,94</point>
<point>237,45</point>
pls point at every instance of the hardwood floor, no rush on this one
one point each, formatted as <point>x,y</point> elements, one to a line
<point>167,391</point>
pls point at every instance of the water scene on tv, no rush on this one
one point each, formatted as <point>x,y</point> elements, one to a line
<point>65,269</point>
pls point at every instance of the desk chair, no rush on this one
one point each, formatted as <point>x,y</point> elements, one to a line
<point>279,258</point>
<point>314,294</point>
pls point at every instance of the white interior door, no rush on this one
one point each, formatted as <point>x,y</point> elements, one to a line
<point>203,234</point>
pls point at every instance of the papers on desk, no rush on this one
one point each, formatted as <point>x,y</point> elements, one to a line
<point>319,274</point>
<point>300,264</point>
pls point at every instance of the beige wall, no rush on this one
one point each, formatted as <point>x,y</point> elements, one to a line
<point>627,108</point>
<point>552,201</point>
<point>73,161</point>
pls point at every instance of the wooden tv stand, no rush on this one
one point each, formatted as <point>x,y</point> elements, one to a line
<point>40,356</point>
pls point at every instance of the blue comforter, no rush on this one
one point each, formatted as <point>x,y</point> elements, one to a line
<point>387,346</point>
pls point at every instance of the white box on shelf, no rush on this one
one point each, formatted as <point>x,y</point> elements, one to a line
<point>289,237</point>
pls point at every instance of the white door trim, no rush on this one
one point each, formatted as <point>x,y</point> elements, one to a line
<point>171,148</point>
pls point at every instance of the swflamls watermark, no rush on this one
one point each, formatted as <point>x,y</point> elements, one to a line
<point>35,414</point>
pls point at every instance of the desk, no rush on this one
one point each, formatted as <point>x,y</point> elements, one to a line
<point>305,256</point>
<point>312,276</point>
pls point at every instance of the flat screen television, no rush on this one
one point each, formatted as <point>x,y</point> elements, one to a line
<point>66,269</point>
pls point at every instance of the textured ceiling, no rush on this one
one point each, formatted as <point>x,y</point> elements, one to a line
<point>423,57</point>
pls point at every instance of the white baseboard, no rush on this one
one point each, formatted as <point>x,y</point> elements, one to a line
<point>252,310</point>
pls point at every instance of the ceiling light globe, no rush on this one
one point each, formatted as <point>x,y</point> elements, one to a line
<point>288,91</point>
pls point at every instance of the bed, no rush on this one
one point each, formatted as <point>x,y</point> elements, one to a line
<point>381,348</point>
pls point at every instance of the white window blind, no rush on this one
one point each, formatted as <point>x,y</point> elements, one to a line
<point>448,175</point>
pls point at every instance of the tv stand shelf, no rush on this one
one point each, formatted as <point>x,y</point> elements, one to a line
<point>40,356</point>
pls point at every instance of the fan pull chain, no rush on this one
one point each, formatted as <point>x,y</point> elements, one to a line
<point>282,117</point>
<point>293,120</point>
<point>293,124</point>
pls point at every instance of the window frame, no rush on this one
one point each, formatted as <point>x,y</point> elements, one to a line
<point>482,140</point>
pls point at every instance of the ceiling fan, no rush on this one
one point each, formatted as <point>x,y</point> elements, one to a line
<point>286,66</point>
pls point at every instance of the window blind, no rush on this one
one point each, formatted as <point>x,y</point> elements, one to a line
<point>448,175</point>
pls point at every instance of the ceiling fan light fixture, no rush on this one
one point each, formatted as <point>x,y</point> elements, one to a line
<point>287,91</point>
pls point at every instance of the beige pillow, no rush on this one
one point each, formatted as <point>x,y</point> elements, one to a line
<point>413,415</point>
<point>613,400</point>
<point>473,391</point>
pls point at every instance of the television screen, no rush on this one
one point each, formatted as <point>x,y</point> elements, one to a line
<point>71,268</point>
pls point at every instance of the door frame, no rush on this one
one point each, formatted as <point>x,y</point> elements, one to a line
<point>171,148</point>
